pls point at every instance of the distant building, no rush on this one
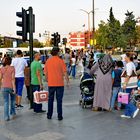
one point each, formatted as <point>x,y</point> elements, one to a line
<point>13,42</point>
<point>77,39</point>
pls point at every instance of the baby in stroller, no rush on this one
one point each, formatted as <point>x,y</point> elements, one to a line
<point>87,90</point>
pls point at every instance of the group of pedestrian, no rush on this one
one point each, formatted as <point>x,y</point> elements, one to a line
<point>109,74</point>
<point>112,78</point>
<point>12,82</point>
<point>15,72</point>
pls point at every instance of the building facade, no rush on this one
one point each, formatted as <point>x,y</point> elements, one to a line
<point>79,39</point>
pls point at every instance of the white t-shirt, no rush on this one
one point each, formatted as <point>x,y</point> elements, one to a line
<point>73,61</point>
<point>130,67</point>
<point>19,65</point>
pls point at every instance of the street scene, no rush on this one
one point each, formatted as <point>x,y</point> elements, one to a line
<point>70,70</point>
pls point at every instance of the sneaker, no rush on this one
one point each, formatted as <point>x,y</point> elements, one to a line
<point>135,113</point>
<point>7,120</point>
<point>16,106</point>
<point>21,106</point>
<point>124,116</point>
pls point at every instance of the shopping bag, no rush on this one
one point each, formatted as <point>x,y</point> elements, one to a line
<point>40,96</point>
<point>132,83</point>
<point>123,97</point>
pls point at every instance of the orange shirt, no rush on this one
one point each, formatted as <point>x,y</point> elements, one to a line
<point>54,70</point>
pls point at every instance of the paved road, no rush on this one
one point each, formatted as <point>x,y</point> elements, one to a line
<point>78,123</point>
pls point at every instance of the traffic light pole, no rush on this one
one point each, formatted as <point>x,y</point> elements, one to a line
<point>31,33</point>
<point>31,47</point>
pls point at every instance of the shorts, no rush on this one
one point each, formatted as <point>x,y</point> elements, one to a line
<point>19,85</point>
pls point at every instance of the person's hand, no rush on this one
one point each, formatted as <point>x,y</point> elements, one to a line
<point>14,91</point>
<point>124,87</point>
<point>67,85</point>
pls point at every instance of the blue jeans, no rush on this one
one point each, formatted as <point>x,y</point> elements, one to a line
<point>59,97</point>
<point>116,90</point>
<point>19,85</point>
<point>36,107</point>
<point>73,71</point>
<point>130,109</point>
<point>8,92</point>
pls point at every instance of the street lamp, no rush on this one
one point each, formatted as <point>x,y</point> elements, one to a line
<point>88,23</point>
<point>93,19</point>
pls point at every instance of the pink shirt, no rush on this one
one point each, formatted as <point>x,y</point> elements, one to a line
<point>6,73</point>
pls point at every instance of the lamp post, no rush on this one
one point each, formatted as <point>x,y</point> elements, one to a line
<point>88,23</point>
<point>93,20</point>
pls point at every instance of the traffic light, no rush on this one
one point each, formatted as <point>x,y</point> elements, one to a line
<point>58,39</point>
<point>64,41</point>
<point>23,24</point>
<point>55,39</point>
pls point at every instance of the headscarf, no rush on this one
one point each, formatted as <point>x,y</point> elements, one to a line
<point>105,63</point>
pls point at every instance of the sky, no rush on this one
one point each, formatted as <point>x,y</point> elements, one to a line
<point>62,16</point>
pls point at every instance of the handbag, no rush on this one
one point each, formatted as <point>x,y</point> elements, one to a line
<point>40,96</point>
<point>132,83</point>
<point>123,97</point>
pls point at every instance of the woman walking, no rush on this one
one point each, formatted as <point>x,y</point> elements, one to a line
<point>103,87</point>
<point>7,80</point>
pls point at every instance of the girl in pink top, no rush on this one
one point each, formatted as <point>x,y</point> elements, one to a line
<point>7,82</point>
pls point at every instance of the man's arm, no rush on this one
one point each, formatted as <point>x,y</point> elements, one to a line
<point>45,71</point>
<point>13,81</point>
<point>38,73</point>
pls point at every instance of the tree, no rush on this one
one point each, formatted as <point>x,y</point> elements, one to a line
<point>24,45</point>
<point>101,35</point>
<point>8,43</point>
<point>37,44</point>
<point>129,28</point>
<point>138,35</point>
<point>115,33</point>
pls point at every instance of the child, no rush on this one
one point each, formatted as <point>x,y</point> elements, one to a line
<point>116,76</point>
<point>27,80</point>
<point>131,109</point>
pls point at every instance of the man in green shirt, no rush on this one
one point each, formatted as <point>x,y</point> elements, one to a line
<point>36,81</point>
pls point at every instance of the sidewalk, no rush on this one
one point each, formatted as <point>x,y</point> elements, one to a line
<point>78,123</point>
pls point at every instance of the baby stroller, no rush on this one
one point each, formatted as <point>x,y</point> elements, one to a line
<point>87,90</point>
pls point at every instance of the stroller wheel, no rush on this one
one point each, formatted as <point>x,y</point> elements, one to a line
<point>84,105</point>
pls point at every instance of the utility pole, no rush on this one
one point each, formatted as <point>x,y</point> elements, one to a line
<point>31,30</point>
<point>88,13</point>
<point>93,37</point>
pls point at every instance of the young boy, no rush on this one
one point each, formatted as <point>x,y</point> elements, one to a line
<point>116,76</point>
<point>131,109</point>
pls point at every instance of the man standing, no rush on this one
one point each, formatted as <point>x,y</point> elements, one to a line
<point>19,64</point>
<point>55,70</point>
<point>36,81</point>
